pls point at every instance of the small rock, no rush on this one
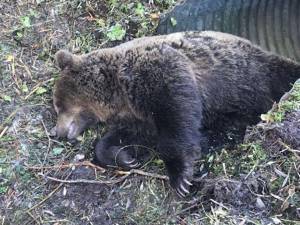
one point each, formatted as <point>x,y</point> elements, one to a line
<point>79,138</point>
<point>64,191</point>
<point>65,203</point>
<point>49,212</point>
<point>260,204</point>
<point>78,157</point>
<point>276,220</point>
<point>40,145</point>
<point>52,132</point>
<point>128,204</point>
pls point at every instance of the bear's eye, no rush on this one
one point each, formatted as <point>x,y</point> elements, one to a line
<point>88,117</point>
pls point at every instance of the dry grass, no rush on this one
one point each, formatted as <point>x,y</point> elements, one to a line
<point>41,179</point>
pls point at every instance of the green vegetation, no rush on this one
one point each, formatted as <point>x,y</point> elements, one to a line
<point>116,33</point>
<point>33,31</point>
<point>285,106</point>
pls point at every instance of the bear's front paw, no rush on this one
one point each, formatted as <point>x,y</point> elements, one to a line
<point>181,183</point>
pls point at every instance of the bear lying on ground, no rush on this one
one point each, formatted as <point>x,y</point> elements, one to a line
<point>169,90</point>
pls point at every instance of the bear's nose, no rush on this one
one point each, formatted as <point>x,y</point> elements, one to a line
<point>73,131</point>
<point>61,132</point>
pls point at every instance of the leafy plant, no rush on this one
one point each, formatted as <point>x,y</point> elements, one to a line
<point>116,33</point>
<point>173,21</point>
<point>292,103</point>
<point>6,98</point>
<point>139,10</point>
<point>24,88</point>
<point>25,21</point>
<point>57,151</point>
<point>100,22</point>
<point>40,90</point>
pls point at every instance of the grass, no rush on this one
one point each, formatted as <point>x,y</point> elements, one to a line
<point>33,31</point>
<point>292,103</point>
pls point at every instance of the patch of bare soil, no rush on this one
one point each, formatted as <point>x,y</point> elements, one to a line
<point>276,136</point>
<point>98,203</point>
<point>281,142</point>
<point>49,181</point>
<point>241,194</point>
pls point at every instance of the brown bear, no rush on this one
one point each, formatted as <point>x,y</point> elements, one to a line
<point>168,90</point>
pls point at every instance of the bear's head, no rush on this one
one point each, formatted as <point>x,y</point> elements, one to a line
<point>74,111</point>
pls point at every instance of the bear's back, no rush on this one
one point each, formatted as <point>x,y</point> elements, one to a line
<point>233,75</point>
<point>181,40</point>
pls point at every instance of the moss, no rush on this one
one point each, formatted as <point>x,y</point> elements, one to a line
<point>30,37</point>
<point>243,159</point>
<point>285,106</point>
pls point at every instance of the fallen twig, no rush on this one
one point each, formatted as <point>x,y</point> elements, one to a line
<point>32,216</point>
<point>143,173</point>
<point>45,199</point>
<point>219,204</point>
<point>288,148</point>
<point>89,164</point>
<point>115,181</point>
<point>85,181</point>
<point>192,204</point>
<point>34,89</point>
<point>49,142</point>
<point>7,120</point>
<point>3,131</point>
<point>65,166</point>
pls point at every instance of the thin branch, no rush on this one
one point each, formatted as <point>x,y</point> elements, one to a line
<point>32,216</point>
<point>108,182</point>
<point>3,131</point>
<point>85,181</point>
<point>219,204</point>
<point>66,166</point>
<point>34,89</point>
<point>45,199</point>
<point>49,142</point>
<point>143,173</point>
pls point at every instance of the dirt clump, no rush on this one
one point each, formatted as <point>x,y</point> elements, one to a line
<point>276,136</point>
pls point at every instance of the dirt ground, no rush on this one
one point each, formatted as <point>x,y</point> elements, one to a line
<point>46,181</point>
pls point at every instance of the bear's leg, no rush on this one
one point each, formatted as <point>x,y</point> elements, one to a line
<point>178,155</point>
<point>179,138</point>
<point>178,158</point>
<point>162,86</point>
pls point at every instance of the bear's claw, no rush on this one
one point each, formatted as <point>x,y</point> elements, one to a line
<point>181,182</point>
<point>130,164</point>
<point>182,189</point>
<point>187,182</point>
<point>126,160</point>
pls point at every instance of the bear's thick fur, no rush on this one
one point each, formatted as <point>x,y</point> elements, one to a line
<point>169,90</point>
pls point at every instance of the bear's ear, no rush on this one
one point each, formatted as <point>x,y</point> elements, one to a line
<point>65,59</point>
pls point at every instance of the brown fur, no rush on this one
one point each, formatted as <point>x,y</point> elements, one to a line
<point>181,83</point>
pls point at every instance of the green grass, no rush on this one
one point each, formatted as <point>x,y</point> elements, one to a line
<point>29,38</point>
<point>292,103</point>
